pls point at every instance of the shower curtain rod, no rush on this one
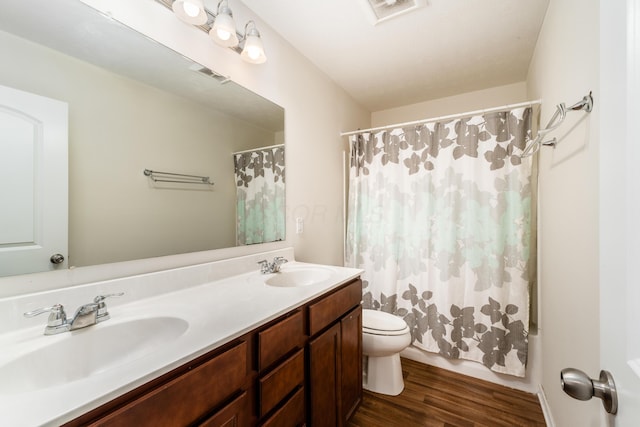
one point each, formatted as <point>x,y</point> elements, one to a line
<point>449,117</point>
<point>259,148</point>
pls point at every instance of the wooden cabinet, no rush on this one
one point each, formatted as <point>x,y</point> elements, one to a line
<point>191,394</point>
<point>335,357</point>
<point>333,380</point>
<point>301,369</point>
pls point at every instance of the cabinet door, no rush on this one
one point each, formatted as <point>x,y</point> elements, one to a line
<point>324,377</point>
<point>351,363</point>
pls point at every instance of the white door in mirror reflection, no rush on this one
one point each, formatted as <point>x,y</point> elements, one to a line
<point>33,182</point>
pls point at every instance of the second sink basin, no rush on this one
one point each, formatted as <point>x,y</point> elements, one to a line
<point>79,354</point>
<point>299,276</point>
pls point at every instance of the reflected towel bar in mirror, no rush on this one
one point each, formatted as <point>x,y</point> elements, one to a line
<point>180,178</point>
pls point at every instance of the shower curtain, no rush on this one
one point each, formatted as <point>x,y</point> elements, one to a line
<point>260,195</point>
<point>441,219</point>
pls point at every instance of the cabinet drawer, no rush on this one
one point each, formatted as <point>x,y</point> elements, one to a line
<point>188,397</point>
<point>234,414</point>
<point>281,381</point>
<point>291,414</point>
<point>279,339</point>
<point>330,308</point>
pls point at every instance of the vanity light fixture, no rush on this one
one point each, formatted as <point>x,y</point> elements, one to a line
<point>221,27</point>
<point>223,31</point>
<point>253,50</point>
<point>190,11</point>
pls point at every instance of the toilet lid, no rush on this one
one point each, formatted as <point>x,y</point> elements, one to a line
<point>381,323</point>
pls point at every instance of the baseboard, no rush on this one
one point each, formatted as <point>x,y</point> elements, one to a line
<point>546,410</point>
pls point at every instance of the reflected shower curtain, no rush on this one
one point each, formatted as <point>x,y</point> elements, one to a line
<point>440,217</point>
<point>260,195</point>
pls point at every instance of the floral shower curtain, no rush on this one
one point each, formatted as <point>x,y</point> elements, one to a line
<point>260,195</point>
<point>441,219</point>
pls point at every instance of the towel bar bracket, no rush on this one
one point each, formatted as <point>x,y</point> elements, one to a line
<point>179,178</point>
<point>585,104</point>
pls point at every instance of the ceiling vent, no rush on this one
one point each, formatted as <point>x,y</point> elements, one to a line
<point>209,73</point>
<point>382,10</point>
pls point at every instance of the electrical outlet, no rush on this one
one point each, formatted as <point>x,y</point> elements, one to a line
<point>299,225</point>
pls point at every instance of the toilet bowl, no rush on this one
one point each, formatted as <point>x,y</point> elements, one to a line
<point>384,336</point>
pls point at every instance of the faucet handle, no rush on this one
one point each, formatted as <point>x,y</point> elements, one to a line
<point>103,314</point>
<point>277,262</point>
<point>101,298</point>
<point>57,316</point>
<point>264,266</point>
<point>57,321</point>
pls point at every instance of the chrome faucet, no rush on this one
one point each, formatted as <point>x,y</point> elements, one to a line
<point>267,267</point>
<point>85,315</point>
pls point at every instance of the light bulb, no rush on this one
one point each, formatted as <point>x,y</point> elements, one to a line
<point>253,50</point>
<point>253,53</point>
<point>191,9</point>
<point>223,31</point>
<point>223,34</point>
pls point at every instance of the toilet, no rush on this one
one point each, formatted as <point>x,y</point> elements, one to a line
<point>384,336</point>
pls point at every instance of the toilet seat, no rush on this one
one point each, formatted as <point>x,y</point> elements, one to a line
<point>380,323</point>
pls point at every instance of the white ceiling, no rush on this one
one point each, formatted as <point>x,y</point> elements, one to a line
<point>445,48</point>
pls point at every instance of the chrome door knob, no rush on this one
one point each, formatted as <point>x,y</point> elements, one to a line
<point>57,259</point>
<point>578,385</point>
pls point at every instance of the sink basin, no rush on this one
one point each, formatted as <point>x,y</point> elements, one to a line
<point>76,355</point>
<point>303,276</point>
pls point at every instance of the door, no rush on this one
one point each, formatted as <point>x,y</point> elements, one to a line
<point>33,182</point>
<point>620,207</point>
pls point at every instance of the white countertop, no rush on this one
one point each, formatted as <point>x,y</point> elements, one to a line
<point>217,312</point>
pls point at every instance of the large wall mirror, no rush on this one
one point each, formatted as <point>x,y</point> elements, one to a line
<point>134,105</point>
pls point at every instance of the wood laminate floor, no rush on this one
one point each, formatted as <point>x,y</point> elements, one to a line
<point>435,397</point>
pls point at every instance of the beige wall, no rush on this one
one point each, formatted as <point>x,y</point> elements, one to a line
<point>117,128</point>
<point>564,68</point>
<point>470,101</point>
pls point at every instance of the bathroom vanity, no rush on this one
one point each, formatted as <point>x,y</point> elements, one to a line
<point>260,378</point>
<point>281,349</point>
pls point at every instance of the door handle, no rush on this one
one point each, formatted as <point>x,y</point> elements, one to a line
<point>57,259</point>
<point>578,385</point>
